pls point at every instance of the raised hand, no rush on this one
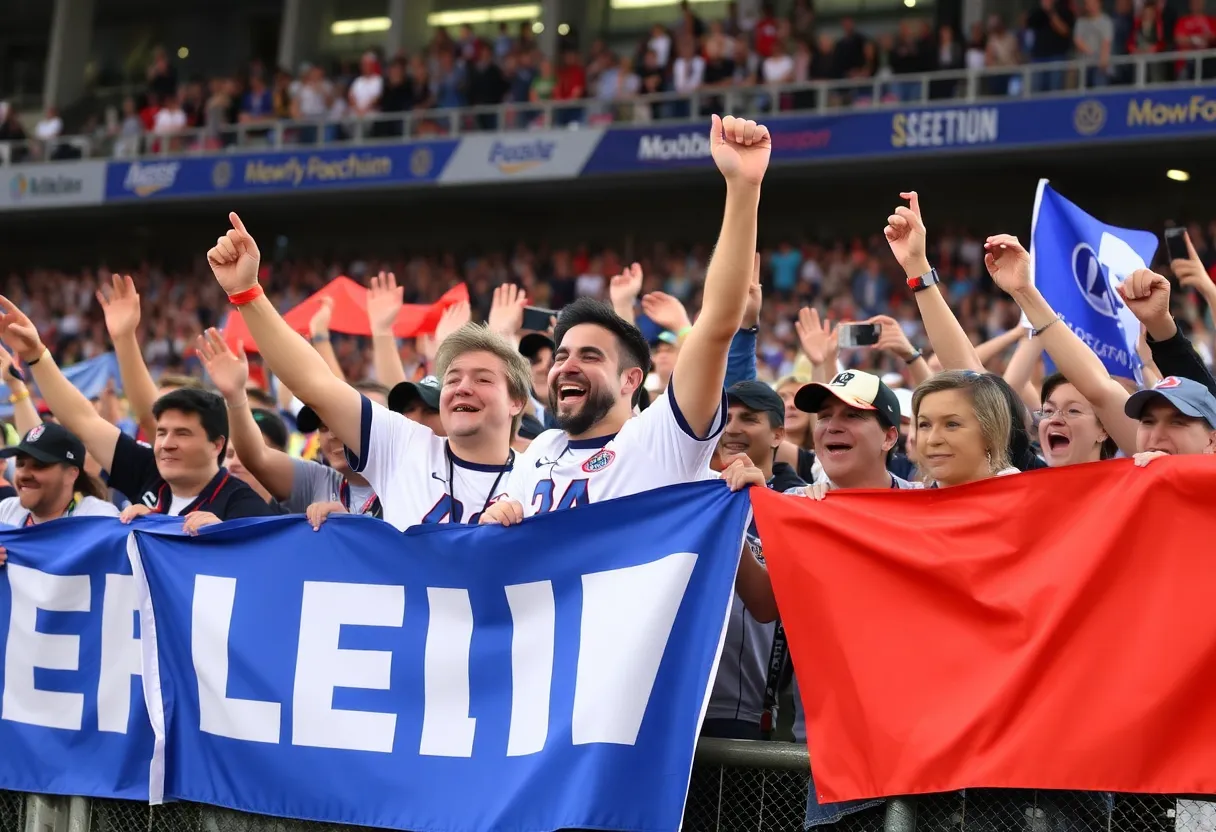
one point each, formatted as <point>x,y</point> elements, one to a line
<point>819,340</point>
<point>121,307</point>
<point>507,310</point>
<point>229,371</point>
<point>16,383</point>
<point>18,332</point>
<point>755,296</point>
<point>234,258</point>
<point>1008,263</point>
<point>318,325</point>
<point>905,233</point>
<point>891,338</point>
<point>384,301</point>
<point>741,149</point>
<point>1147,295</point>
<point>624,288</point>
<point>452,319</point>
<point>1190,272</point>
<point>666,311</point>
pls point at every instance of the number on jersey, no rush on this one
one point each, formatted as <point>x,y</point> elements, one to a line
<point>575,495</point>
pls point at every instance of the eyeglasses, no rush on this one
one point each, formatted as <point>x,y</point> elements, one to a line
<point>1072,414</point>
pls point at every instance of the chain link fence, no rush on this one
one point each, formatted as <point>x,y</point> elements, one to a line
<point>736,787</point>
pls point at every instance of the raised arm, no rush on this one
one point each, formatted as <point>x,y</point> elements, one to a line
<point>71,408</point>
<point>121,309</point>
<point>1009,264</point>
<point>741,150</point>
<point>905,232</point>
<point>25,415</point>
<point>234,260</point>
<point>384,301</point>
<point>318,333</point>
<point>229,372</point>
<point>1020,371</point>
<point>507,312</point>
<point>624,289</point>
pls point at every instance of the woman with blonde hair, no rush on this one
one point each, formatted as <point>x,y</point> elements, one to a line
<point>963,426</point>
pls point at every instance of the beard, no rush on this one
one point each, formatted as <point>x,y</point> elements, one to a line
<point>596,406</point>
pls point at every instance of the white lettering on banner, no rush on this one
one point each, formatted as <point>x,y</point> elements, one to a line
<point>321,665</point>
<point>936,128</point>
<point>534,627</point>
<point>447,728</point>
<point>120,653</point>
<point>147,179</point>
<point>627,616</point>
<point>1115,352</point>
<point>210,620</point>
<point>27,649</point>
<point>511,158</point>
<point>619,655</point>
<point>684,146</point>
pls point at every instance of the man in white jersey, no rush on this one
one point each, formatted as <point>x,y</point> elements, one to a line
<point>601,451</point>
<point>418,476</point>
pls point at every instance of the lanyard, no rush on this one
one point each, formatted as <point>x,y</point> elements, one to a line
<point>372,506</point>
<point>451,484</point>
<point>67,512</point>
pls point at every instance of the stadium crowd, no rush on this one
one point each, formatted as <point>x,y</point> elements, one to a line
<point>688,56</point>
<point>746,374</point>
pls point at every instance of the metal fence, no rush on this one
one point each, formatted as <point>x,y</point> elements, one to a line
<point>1037,81</point>
<point>737,786</point>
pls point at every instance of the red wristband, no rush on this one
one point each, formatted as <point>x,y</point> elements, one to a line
<point>247,296</point>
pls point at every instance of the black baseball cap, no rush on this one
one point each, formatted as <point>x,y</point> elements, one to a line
<point>864,391</point>
<point>532,343</point>
<point>758,396</point>
<point>307,420</point>
<point>272,426</point>
<point>403,395</point>
<point>49,443</point>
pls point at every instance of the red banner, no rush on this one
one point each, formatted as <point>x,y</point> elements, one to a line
<point>350,313</point>
<point>1050,630</point>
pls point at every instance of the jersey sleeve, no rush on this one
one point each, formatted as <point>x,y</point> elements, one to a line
<point>386,440</point>
<point>670,441</point>
<point>134,466</point>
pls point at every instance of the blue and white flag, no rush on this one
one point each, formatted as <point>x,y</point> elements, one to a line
<point>1076,263</point>
<point>72,716</point>
<point>545,676</point>
<point>89,377</point>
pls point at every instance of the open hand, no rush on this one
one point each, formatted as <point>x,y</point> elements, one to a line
<point>666,311</point>
<point>819,340</point>
<point>624,288</point>
<point>318,325</point>
<point>1008,262</point>
<point>229,371</point>
<point>121,307</point>
<point>507,310</point>
<point>18,332</point>
<point>384,301</point>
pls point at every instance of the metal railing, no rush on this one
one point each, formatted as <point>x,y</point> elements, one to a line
<point>1036,80</point>
<point>736,786</point>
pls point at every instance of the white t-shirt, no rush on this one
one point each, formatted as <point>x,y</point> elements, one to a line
<point>179,504</point>
<point>366,90</point>
<point>12,513</point>
<point>654,449</point>
<point>49,128</point>
<point>169,121</point>
<point>418,479</point>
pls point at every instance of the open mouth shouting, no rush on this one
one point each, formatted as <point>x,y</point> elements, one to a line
<point>571,391</point>
<point>837,447</point>
<point>1058,442</point>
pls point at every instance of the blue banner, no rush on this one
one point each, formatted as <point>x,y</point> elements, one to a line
<point>72,717</point>
<point>545,676</point>
<point>352,167</point>
<point>1142,115</point>
<point>89,377</point>
<point>1076,262</point>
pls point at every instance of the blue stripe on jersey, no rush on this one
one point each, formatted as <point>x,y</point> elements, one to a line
<point>683,423</point>
<point>356,463</point>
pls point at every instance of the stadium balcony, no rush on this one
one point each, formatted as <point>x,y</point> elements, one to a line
<point>1039,81</point>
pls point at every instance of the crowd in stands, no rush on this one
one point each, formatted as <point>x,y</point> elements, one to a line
<point>461,69</point>
<point>846,279</point>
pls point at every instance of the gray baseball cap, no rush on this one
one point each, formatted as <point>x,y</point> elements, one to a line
<point>1190,397</point>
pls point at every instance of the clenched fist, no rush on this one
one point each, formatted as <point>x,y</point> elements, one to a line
<point>1147,295</point>
<point>740,148</point>
<point>234,258</point>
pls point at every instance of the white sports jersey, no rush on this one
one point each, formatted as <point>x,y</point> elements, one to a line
<point>417,477</point>
<point>654,449</point>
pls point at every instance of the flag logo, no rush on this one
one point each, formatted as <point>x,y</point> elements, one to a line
<point>1091,280</point>
<point>1167,383</point>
